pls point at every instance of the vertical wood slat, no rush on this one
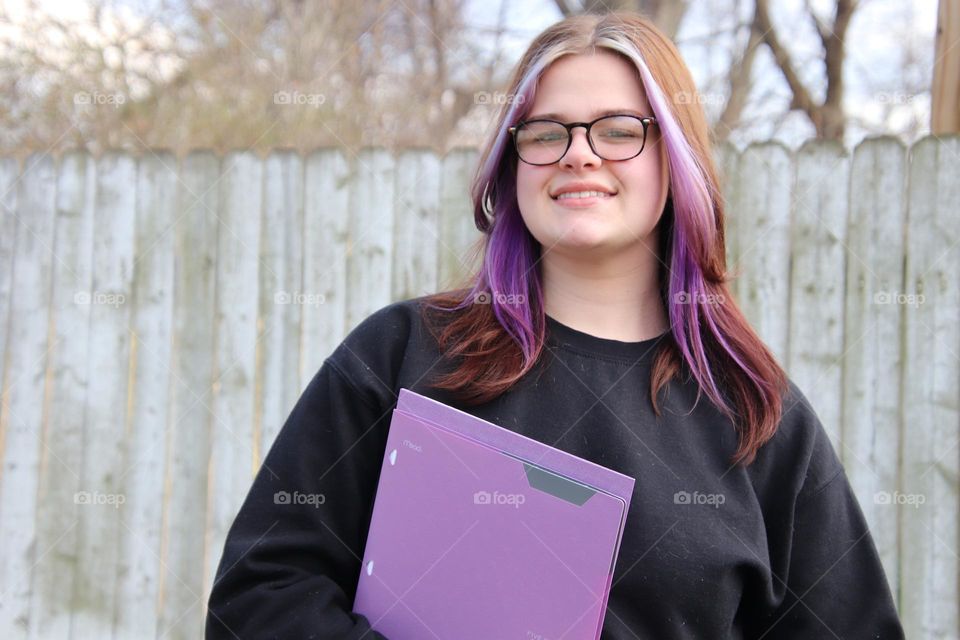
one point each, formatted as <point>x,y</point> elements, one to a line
<point>766,185</point>
<point>231,463</point>
<point>931,463</point>
<point>181,601</point>
<point>727,159</point>
<point>416,212</point>
<point>103,494</point>
<point>326,217</point>
<point>283,299</point>
<point>9,177</point>
<point>62,452</point>
<point>818,234</point>
<point>22,413</point>
<point>370,242</point>
<point>870,389</point>
<point>142,475</point>
<point>459,236</point>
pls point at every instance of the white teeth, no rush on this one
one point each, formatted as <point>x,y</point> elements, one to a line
<point>583,194</point>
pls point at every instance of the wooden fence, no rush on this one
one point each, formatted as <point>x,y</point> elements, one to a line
<point>159,317</point>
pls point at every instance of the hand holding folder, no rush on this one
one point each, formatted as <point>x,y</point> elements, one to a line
<point>479,532</point>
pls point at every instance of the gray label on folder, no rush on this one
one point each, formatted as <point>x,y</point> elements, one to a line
<point>558,486</point>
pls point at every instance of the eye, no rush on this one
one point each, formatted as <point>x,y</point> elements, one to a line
<point>549,136</point>
<point>619,133</point>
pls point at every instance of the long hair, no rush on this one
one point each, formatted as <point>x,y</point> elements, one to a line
<point>494,326</point>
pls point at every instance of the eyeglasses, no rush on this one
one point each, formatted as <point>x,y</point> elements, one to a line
<point>615,137</point>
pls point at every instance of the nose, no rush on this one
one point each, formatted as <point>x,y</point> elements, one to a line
<point>579,154</point>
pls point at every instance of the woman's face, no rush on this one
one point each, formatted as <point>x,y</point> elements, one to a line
<point>577,88</point>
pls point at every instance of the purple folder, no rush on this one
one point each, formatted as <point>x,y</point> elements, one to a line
<point>480,533</point>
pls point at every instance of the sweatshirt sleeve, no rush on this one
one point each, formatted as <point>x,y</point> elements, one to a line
<point>291,560</point>
<point>835,584</point>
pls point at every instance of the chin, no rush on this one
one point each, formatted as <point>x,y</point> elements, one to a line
<point>579,238</point>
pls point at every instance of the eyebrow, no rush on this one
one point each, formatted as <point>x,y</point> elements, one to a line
<point>596,114</point>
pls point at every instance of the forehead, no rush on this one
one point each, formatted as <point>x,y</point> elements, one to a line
<point>583,85</point>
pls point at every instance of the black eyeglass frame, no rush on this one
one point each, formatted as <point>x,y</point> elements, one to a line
<point>645,121</point>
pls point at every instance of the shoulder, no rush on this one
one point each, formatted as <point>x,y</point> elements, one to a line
<point>800,458</point>
<point>387,325</point>
<point>375,351</point>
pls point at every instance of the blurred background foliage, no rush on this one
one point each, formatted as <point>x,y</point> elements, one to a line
<point>263,74</point>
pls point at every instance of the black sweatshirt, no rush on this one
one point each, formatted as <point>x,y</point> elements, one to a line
<point>777,550</point>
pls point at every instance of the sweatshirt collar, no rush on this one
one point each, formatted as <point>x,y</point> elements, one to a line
<point>562,335</point>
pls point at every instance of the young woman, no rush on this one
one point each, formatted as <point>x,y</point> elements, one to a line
<point>600,323</point>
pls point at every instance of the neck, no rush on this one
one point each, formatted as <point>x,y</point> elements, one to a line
<point>617,298</point>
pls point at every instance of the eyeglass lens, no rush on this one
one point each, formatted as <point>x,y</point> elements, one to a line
<point>612,138</point>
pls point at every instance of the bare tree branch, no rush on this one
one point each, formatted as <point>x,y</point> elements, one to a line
<point>740,85</point>
<point>822,29</point>
<point>827,118</point>
<point>801,97</point>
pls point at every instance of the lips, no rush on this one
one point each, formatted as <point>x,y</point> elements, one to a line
<point>579,190</point>
<point>570,195</point>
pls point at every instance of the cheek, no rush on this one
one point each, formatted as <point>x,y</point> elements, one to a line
<point>531,183</point>
<point>644,179</point>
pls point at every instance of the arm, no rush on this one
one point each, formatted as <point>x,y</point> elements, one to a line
<point>835,585</point>
<point>292,557</point>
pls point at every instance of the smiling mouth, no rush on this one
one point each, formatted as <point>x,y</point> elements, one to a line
<point>583,195</point>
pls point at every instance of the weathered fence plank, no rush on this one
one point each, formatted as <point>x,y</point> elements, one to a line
<point>62,452</point>
<point>416,209</point>
<point>872,369</point>
<point>818,250</point>
<point>283,300</point>
<point>370,240</point>
<point>458,233</point>
<point>108,395</point>
<point>143,463</point>
<point>931,463</point>
<point>23,416</point>
<point>9,177</point>
<point>763,245</point>
<point>325,252</point>
<point>188,438</point>
<point>728,164</point>
<point>231,464</point>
